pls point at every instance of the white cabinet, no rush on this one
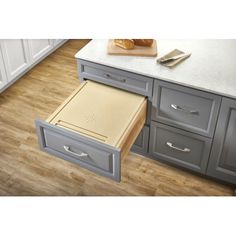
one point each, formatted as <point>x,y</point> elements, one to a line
<point>16,57</point>
<point>39,47</point>
<point>58,41</point>
<point>3,77</point>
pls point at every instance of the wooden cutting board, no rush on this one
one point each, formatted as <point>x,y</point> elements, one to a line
<point>107,119</point>
<point>112,49</point>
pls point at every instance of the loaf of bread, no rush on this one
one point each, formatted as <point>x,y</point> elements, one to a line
<point>124,43</point>
<point>143,42</point>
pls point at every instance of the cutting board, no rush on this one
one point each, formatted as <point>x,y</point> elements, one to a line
<point>112,49</point>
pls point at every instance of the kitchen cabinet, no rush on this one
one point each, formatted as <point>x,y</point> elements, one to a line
<point>179,147</point>
<point>16,57</point>
<point>3,77</point>
<point>222,163</point>
<point>39,48</point>
<point>189,122</point>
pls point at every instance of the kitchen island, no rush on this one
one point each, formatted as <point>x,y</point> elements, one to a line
<point>191,116</point>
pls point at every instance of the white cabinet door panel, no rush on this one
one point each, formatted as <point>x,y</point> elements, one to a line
<point>57,41</point>
<point>39,47</point>
<point>3,77</point>
<point>16,57</point>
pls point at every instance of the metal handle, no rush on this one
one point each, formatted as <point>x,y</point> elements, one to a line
<point>179,108</point>
<point>82,154</point>
<point>169,144</point>
<point>114,78</point>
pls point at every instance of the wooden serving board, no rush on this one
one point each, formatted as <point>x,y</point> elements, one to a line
<point>112,49</point>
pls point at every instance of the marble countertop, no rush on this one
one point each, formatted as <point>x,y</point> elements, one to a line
<point>211,67</point>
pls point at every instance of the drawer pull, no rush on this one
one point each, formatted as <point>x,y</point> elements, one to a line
<point>82,154</point>
<point>176,107</point>
<point>169,144</point>
<point>114,78</point>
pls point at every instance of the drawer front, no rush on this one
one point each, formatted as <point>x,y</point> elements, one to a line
<point>185,108</point>
<point>70,146</point>
<point>116,78</point>
<point>141,143</point>
<point>179,147</point>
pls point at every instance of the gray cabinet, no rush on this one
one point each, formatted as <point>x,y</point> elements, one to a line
<point>185,108</point>
<point>179,147</point>
<point>73,147</point>
<point>222,163</point>
<point>141,143</point>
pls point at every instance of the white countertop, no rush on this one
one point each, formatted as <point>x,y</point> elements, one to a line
<point>211,67</point>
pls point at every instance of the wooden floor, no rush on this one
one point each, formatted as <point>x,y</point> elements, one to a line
<point>25,170</point>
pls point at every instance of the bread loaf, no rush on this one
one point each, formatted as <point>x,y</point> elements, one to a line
<point>143,42</point>
<point>124,43</point>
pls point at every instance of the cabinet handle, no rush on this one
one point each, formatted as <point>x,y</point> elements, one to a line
<point>169,144</point>
<point>179,108</point>
<point>114,78</point>
<point>82,154</point>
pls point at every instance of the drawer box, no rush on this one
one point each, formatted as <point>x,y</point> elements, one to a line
<point>95,127</point>
<point>115,77</point>
<point>141,143</point>
<point>185,108</point>
<point>179,147</point>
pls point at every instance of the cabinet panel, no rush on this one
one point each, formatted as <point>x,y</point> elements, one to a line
<point>3,77</point>
<point>16,57</point>
<point>185,108</point>
<point>39,47</point>
<point>141,143</point>
<point>57,41</point>
<point>222,162</point>
<point>179,147</point>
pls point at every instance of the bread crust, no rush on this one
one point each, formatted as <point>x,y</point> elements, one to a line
<point>143,42</point>
<point>124,43</point>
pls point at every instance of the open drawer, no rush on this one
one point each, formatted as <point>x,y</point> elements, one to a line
<point>95,127</point>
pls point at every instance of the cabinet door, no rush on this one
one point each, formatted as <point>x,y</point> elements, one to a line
<point>57,41</point>
<point>222,163</point>
<point>15,56</point>
<point>3,77</point>
<point>38,48</point>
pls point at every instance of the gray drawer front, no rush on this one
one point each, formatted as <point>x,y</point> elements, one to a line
<point>141,143</point>
<point>179,147</point>
<point>97,157</point>
<point>116,78</point>
<point>185,108</point>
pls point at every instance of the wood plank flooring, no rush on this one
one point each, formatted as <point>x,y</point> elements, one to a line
<point>25,170</point>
